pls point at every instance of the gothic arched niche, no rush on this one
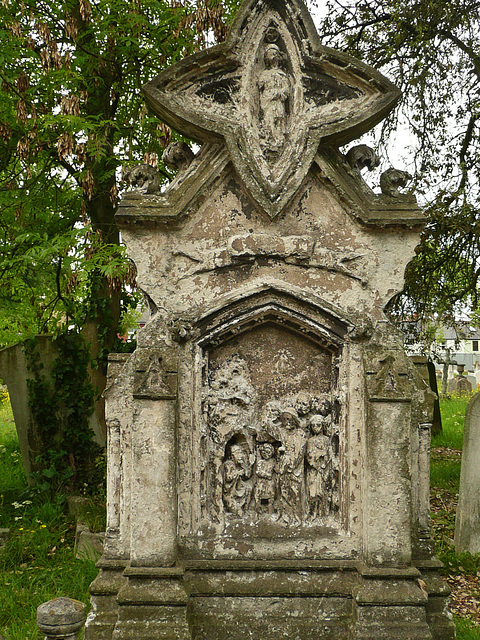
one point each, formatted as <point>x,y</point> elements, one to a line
<point>270,431</point>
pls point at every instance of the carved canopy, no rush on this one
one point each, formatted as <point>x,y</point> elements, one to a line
<point>273,94</point>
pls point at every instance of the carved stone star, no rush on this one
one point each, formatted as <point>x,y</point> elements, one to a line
<point>273,94</point>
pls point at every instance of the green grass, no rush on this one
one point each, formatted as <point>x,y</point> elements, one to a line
<point>445,467</point>
<point>38,562</point>
<point>453,420</point>
<point>465,630</point>
<point>445,479</point>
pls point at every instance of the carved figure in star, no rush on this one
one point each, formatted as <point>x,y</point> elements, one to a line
<point>265,487</point>
<point>275,88</point>
<point>237,484</point>
<point>291,466</point>
<point>318,457</point>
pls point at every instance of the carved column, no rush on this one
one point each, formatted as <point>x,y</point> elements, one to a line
<point>113,480</point>
<point>424,435</point>
<point>387,539</point>
<point>104,589</point>
<point>154,512</point>
<point>153,600</point>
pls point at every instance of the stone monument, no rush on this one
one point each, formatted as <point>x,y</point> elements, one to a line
<point>467,522</point>
<point>269,439</point>
<point>460,384</point>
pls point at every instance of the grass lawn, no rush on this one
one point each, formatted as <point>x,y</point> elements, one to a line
<point>38,563</point>
<point>462,571</point>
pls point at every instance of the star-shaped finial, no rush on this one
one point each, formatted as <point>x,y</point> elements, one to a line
<point>273,94</point>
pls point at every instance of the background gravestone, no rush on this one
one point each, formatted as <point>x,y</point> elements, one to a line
<point>460,383</point>
<point>15,372</point>
<point>467,522</point>
<point>268,449</point>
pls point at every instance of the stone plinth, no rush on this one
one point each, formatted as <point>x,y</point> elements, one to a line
<point>269,438</point>
<point>467,523</point>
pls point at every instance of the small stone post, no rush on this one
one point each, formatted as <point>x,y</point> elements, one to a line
<point>446,364</point>
<point>61,618</point>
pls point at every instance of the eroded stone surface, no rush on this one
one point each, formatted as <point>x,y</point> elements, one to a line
<point>268,448</point>
<point>467,523</point>
<point>273,93</point>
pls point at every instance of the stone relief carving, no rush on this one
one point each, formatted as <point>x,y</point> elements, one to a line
<point>150,379</point>
<point>266,473</point>
<point>387,378</point>
<point>275,88</point>
<point>304,91</point>
<point>237,483</point>
<point>274,459</point>
<point>143,178</point>
<point>362,156</point>
<point>178,156</point>
<point>301,251</point>
<point>392,180</point>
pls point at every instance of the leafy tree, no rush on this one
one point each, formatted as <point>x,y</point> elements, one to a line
<point>71,114</point>
<point>431,50</point>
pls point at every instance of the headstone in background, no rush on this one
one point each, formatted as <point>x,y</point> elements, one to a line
<point>437,416</point>
<point>15,373</point>
<point>467,523</point>
<point>460,383</point>
<point>473,381</point>
<point>269,439</point>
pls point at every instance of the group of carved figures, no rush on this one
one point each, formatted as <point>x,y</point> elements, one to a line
<point>278,461</point>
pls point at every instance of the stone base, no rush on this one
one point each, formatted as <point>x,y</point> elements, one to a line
<point>439,618</point>
<point>214,600</point>
<point>104,590</point>
<point>390,604</point>
<point>152,606</point>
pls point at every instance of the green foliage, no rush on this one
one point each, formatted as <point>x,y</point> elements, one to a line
<point>430,49</point>
<point>445,477</point>
<point>71,115</point>
<point>61,407</point>
<point>37,564</point>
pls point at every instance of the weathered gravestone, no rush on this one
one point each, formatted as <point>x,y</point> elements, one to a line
<point>467,522</point>
<point>268,440</point>
<point>15,371</point>
<point>460,384</point>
